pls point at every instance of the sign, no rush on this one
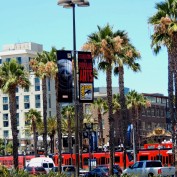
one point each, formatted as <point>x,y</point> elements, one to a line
<point>64,63</point>
<point>85,66</point>
<point>92,163</point>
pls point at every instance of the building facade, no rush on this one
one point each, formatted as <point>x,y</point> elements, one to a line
<point>25,98</point>
<point>151,118</point>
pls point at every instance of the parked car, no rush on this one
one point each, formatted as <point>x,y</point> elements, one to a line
<point>45,162</point>
<point>97,172</point>
<point>35,170</point>
<point>117,167</point>
<point>149,168</point>
<point>55,169</point>
<point>106,169</point>
<point>82,172</point>
<point>69,170</point>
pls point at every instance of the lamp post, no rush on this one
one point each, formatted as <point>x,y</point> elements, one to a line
<point>71,4</point>
<point>89,127</point>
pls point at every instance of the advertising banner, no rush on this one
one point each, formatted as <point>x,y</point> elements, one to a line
<point>64,63</point>
<point>85,66</point>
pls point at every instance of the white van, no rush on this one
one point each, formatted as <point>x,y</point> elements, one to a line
<point>45,162</point>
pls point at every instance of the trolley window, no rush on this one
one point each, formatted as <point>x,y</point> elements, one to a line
<point>143,157</point>
<point>117,159</point>
<point>103,160</point>
<point>85,160</point>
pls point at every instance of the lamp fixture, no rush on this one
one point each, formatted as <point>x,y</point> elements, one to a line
<point>70,3</point>
<point>84,4</point>
<point>77,1</point>
<point>64,2</point>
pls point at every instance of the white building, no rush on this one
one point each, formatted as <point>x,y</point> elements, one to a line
<point>26,98</point>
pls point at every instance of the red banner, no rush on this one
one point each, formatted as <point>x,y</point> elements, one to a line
<point>85,66</point>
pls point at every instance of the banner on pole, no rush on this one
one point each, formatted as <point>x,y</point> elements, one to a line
<point>85,66</point>
<point>64,63</point>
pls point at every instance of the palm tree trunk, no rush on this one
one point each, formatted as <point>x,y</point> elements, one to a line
<point>139,113</point>
<point>12,101</point>
<point>69,135</point>
<point>58,125</point>
<point>110,118</point>
<point>175,117</point>
<point>170,94</point>
<point>44,90</point>
<point>100,126</point>
<point>34,138</point>
<point>174,65</point>
<point>135,129</point>
<point>123,110</point>
<point>81,132</point>
<point>52,141</point>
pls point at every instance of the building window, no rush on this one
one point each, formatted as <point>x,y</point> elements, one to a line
<point>143,111</point>
<point>17,117</point>
<point>157,112</point>
<point>37,84</point>
<point>158,100</point>
<point>30,69</point>
<point>26,102</point>
<point>37,101</point>
<point>153,111</point>
<point>49,100</point>
<point>26,89</point>
<point>19,60</point>
<point>148,112</point>
<point>0,61</point>
<point>7,59</point>
<point>5,120</point>
<point>27,134</point>
<point>164,100</point>
<point>49,84</point>
<point>50,113</point>
<point>5,103</point>
<point>6,133</point>
<point>16,90</point>
<point>162,113</point>
<point>143,125</point>
<point>87,108</point>
<point>17,102</point>
<point>5,100</point>
<point>148,125</point>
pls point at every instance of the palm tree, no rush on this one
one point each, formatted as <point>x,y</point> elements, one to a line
<point>13,75</point>
<point>38,66</point>
<point>103,46</point>
<point>165,34</point>
<point>53,73</point>
<point>44,66</point>
<point>52,128</point>
<point>126,55</point>
<point>34,117</point>
<point>68,113</point>
<point>135,102</point>
<point>101,106</point>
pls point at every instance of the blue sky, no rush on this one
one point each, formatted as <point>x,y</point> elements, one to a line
<point>44,22</point>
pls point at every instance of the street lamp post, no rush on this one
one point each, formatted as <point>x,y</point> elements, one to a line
<point>71,4</point>
<point>89,127</point>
